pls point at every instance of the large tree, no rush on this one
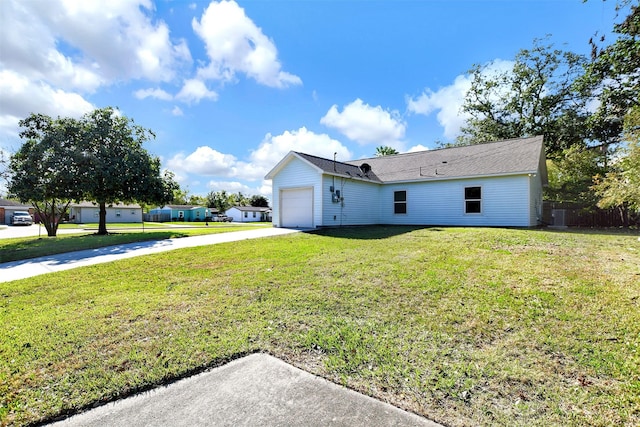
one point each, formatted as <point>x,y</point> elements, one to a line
<point>219,200</point>
<point>99,158</point>
<point>612,79</point>
<point>571,176</point>
<point>44,172</point>
<point>536,96</point>
<point>620,187</point>
<point>114,165</point>
<point>259,201</point>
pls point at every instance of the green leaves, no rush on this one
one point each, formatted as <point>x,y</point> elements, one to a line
<point>99,158</point>
<point>534,96</point>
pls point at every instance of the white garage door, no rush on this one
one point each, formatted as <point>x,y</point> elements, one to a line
<point>297,208</point>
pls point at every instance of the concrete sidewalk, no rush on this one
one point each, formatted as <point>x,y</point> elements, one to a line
<point>34,267</point>
<point>256,390</point>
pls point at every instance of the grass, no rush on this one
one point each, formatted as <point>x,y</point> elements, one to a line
<point>464,326</point>
<point>32,247</point>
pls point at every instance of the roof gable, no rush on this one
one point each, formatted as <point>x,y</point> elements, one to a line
<point>324,166</point>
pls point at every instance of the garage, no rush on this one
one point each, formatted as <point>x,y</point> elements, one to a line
<point>296,208</point>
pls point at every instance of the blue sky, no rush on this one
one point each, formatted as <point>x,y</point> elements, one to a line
<point>230,87</point>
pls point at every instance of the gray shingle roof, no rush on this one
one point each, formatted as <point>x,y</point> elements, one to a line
<point>252,208</point>
<point>512,156</point>
<point>339,168</point>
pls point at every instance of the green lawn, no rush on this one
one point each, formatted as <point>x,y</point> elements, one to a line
<point>465,326</point>
<point>32,247</point>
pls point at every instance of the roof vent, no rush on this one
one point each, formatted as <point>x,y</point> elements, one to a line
<point>365,168</point>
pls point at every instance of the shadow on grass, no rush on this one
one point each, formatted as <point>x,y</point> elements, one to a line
<point>597,231</point>
<point>369,232</point>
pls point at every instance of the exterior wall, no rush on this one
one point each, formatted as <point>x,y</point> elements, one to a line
<point>235,214</point>
<point>85,214</point>
<point>297,174</point>
<point>359,204</point>
<point>514,201</point>
<point>238,215</point>
<point>505,202</point>
<point>189,214</point>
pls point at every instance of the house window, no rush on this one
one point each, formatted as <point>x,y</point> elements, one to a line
<point>245,214</point>
<point>96,214</point>
<point>254,214</point>
<point>472,200</point>
<point>133,212</point>
<point>117,213</point>
<point>400,202</point>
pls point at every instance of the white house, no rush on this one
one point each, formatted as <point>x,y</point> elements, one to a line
<point>493,184</point>
<point>8,207</point>
<point>249,213</point>
<point>88,212</point>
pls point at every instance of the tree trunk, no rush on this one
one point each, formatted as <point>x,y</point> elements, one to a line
<point>102,227</point>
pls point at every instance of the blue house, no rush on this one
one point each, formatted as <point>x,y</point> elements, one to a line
<point>186,213</point>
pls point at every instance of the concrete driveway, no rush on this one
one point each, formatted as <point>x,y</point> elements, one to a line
<point>256,390</point>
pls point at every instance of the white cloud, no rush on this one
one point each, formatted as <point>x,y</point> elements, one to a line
<point>448,100</point>
<point>21,97</point>
<point>418,147</point>
<point>235,44</point>
<point>177,111</point>
<point>101,41</point>
<point>204,161</point>
<point>153,93</point>
<point>365,124</point>
<point>274,148</point>
<point>59,51</point>
<point>210,162</point>
<point>194,90</point>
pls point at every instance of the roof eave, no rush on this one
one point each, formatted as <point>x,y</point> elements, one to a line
<point>456,178</point>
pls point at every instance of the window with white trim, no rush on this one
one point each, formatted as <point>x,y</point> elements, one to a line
<point>400,202</point>
<point>472,200</point>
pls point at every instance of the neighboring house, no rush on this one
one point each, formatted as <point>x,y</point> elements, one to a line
<point>187,213</point>
<point>493,184</point>
<point>88,212</point>
<point>8,207</point>
<point>249,213</point>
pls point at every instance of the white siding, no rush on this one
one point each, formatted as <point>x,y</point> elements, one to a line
<point>359,204</point>
<point>238,215</point>
<point>505,202</point>
<point>297,174</point>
